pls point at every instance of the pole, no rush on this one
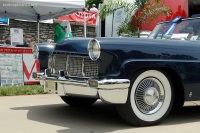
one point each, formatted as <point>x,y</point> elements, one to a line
<point>38,21</point>
<point>112,23</point>
<point>38,31</point>
<point>84,24</point>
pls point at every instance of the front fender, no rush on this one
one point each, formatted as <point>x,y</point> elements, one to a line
<point>128,68</point>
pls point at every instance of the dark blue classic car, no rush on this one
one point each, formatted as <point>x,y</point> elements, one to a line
<point>144,78</point>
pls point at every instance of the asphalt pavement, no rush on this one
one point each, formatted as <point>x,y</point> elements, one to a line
<point>49,114</point>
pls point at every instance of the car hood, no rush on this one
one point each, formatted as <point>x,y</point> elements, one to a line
<point>72,46</point>
<point>124,45</point>
<point>48,47</point>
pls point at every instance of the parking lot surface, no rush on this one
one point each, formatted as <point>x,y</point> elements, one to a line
<point>49,114</point>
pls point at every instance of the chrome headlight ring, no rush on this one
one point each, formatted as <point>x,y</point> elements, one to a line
<point>35,52</point>
<point>94,49</point>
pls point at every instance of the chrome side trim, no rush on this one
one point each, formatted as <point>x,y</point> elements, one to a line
<point>191,103</point>
<point>111,83</point>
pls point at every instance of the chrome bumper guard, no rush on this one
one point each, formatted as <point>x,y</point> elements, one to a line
<point>113,91</point>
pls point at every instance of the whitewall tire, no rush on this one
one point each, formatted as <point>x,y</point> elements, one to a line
<point>150,99</point>
<point>78,101</point>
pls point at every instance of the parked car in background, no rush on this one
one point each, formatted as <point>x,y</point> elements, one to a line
<point>144,78</point>
<point>42,51</point>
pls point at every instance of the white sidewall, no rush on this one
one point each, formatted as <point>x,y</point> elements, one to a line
<point>167,88</point>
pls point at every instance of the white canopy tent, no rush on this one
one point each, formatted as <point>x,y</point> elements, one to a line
<point>38,10</point>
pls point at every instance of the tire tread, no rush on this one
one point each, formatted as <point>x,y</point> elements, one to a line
<point>77,101</point>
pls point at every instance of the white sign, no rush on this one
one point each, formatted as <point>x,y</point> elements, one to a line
<point>16,36</point>
<point>30,65</point>
<point>119,17</point>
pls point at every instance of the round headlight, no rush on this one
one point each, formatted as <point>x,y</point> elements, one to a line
<point>35,52</point>
<point>94,49</point>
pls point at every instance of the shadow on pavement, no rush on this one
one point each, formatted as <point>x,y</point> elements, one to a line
<point>99,118</point>
<point>184,115</point>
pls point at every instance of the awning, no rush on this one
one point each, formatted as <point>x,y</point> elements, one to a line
<point>39,9</point>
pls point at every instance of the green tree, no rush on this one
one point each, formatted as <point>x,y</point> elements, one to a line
<point>136,13</point>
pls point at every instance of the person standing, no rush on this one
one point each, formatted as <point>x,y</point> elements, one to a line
<point>93,9</point>
<point>59,32</point>
<point>86,8</point>
<point>7,41</point>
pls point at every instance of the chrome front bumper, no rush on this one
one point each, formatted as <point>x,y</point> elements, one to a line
<point>113,91</point>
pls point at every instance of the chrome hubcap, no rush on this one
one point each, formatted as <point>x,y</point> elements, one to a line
<point>149,95</point>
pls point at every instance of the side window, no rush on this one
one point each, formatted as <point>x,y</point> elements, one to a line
<point>187,29</point>
<point>162,30</point>
<point>182,27</point>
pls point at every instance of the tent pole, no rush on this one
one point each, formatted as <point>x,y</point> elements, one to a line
<point>38,31</point>
<point>84,24</point>
<point>38,21</point>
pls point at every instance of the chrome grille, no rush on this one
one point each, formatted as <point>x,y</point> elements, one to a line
<point>76,66</point>
<point>90,67</point>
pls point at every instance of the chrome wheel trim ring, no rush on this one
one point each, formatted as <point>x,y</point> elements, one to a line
<point>149,95</point>
<point>168,96</point>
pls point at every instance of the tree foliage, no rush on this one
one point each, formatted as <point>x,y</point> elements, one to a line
<point>136,13</point>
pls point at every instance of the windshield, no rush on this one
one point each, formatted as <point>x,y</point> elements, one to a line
<point>187,29</point>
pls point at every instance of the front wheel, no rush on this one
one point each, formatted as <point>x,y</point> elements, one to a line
<point>150,99</point>
<point>77,101</point>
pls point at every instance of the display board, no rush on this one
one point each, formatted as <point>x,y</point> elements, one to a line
<point>23,58</point>
<point>11,70</point>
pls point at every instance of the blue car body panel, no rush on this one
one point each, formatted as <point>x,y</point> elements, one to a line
<point>121,57</point>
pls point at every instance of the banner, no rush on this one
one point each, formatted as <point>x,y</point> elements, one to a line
<point>4,21</point>
<point>91,17</point>
<point>15,50</point>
